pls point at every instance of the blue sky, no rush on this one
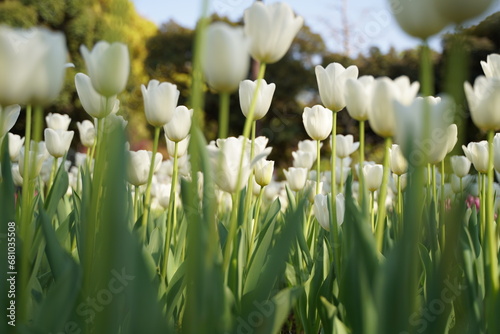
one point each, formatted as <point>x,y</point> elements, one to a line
<point>370,21</point>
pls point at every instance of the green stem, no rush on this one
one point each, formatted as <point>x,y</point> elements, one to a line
<point>256,221</point>
<point>492,247</point>
<point>341,181</point>
<point>52,174</point>
<point>482,206</point>
<point>136,203</point>
<point>224,104</point>
<point>318,165</point>
<point>249,193</point>
<point>334,159</point>
<point>442,208</point>
<point>246,133</point>
<point>26,217</point>
<point>372,209</point>
<point>147,200</point>
<point>426,70</point>
<point>361,160</point>
<point>399,204</point>
<point>380,226</point>
<point>334,230</point>
<point>172,214</point>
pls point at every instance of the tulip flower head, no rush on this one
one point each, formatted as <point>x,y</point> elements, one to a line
<point>57,121</point>
<point>460,165</point>
<point>484,102</point>
<point>271,29</point>
<point>87,133</point>
<point>458,11</point>
<point>15,145</point>
<point>94,103</point>
<point>160,101</point>
<point>373,176</point>
<point>418,18</point>
<point>296,178</point>
<point>332,83</point>
<point>264,172</point>
<point>345,146</point>
<point>264,97</point>
<point>385,91</point>
<point>491,67</point>
<point>58,141</point>
<point>317,122</point>
<point>178,127</point>
<point>398,163</point>
<point>322,213</point>
<point>226,60</point>
<point>138,166</point>
<point>358,96</point>
<point>108,66</point>
<point>477,153</point>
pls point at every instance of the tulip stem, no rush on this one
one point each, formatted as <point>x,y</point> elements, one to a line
<point>246,133</point>
<point>318,165</point>
<point>334,158</point>
<point>491,237</point>
<point>255,222</point>
<point>426,70</point>
<point>52,174</point>
<point>333,203</point>
<point>399,205</point>
<point>25,217</point>
<point>442,207</point>
<point>482,206</point>
<point>136,203</point>
<point>381,214</point>
<point>147,200</point>
<point>372,209</point>
<point>224,104</point>
<point>361,160</point>
<point>249,193</point>
<point>172,213</point>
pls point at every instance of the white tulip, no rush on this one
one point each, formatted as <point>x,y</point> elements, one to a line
<point>496,152</point>
<point>264,172</point>
<point>309,146</point>
<point>322,213</point>
<point>138,166</point>
<point>398,163</point>
<point>160,101</point>
<point>93,103</point>
<point>418,18</point>
<point>345,146</point>
<point>358,96</point>
<point>57,121</point>
<point>178,127</point>
<point>87,133</point>
<point>491,67</point>
<point>35,161</point>
<point>263,98</point>
<point>332,84</point>
<point>8,118</point>
<point>317,122</point>
<point>381,115</point>
<point>225,156</point>
<point>484,102</point>
<point>296,178</point>
<point>108,66</point>
<point>271,30</point>
<point>373,176</point>
<point>460,165</point>
<point>15,145</point>
<point>226,59</point>
<point>477,153</point>
<point>58,141</point>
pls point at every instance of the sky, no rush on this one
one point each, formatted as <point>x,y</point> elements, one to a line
<point>370,21</point>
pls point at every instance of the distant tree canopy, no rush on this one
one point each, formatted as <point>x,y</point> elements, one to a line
<point>165,53</point>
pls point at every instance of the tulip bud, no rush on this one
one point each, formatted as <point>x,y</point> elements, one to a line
<point>271,30</point>
<point>178,127</point>
<point>35,161</point>
<point>160,100</point>
<point>309,146</point>
<point>381,114</point>
<point>94,103</point>
<point>57,121</point>
<point>263,99</point>
<point>296,178</point>
<point>8,117</point>
<point>398,163</point>
<point>226,59</point>
<point>460,165</point>
<point>317,122</point>
<point>138,166</point>
<point>358,96</point>
<point>264,172</point>
<point>87,133</point>
<point>477,153</point>
<point>182,146</point>
<point>484,102</point>
<point>418,18</point>
<point>332,83</point>
<point>58,141</point>
<point>345,146</point>
<point>15,145</point>
<point>373,176</point>
<point>108,66</point>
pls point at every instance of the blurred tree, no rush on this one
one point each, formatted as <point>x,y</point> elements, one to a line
<point>84,22</point>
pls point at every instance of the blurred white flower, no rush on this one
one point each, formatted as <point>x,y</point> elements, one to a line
<point>8,118</point>
<point>358,96</point>
<point>57,121</point>
<point>345,146</point>
<point>459,11</point>
<point>418,18</point>
<point>460,165</point>
<point>373,176</point>
<point>138,166</point>
<point>87,133</point>
<point>484,102</point>
<point>93,103</point>
<point>264,172</point>
<point>15,145</point>
<point>398,163</point>
<point>477,153</point>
